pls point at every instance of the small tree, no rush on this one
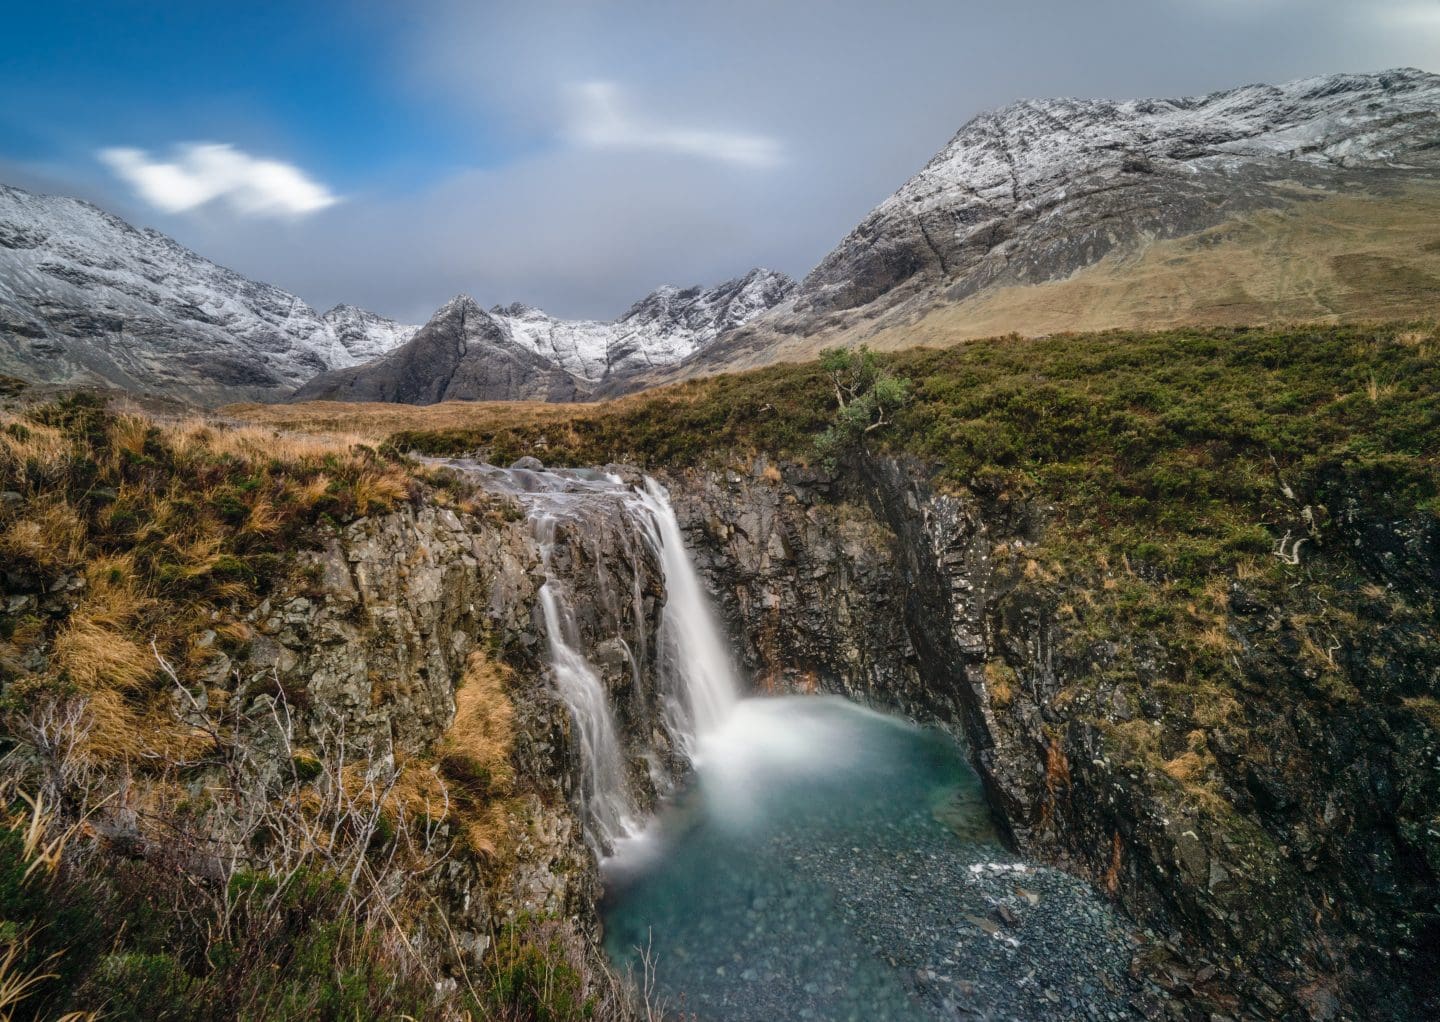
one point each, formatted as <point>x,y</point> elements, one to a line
<point>866,397</point>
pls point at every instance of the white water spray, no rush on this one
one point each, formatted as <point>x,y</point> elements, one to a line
<point>607,794</point>
<point>696,676</point>
<point>695,657</point>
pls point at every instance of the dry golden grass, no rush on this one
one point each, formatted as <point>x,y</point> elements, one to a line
<point>354,422</point>
<point>171,551</point>
<point>1000,682</point>
<point>382,489</point>
<point>479,744</point>
<point>42,450</point>
<point>93,654</point>
<point>1325,259</point>
<point>1192,765</point>
<point>1376,391</point>
<point>50,534</point>
<point>1216,638</point>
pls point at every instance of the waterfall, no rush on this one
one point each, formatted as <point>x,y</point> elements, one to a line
<point>606,793</point>
<point>695,656</point>
<point>695,676</point>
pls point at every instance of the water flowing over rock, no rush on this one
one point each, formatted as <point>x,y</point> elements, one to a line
<point>582,520</point>
<point>694,653</point>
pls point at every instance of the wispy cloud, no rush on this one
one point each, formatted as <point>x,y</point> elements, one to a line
<point>1414,15</point>
<point>599,118</point>
<point>204,172</point>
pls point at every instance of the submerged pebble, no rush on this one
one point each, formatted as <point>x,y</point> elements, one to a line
<point>849,858</point>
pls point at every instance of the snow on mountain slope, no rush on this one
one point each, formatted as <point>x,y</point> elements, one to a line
<point>87,298</point>
<point>665,326</point>
<point>364,334</point>
<point>516,352</point>
<point>1041,188</point>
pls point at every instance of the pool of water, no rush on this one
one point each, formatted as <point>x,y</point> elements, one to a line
<point>754,894</point>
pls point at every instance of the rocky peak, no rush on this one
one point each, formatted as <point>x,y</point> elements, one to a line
<point>87,298</point>
<point>365,334</point>
<point>1019,193</point>
<point>460,309</point>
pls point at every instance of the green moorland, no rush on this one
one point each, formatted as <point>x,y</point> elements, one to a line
<point>1172,467</point>
<point>1174,448</point>
<point>1174,470</point>
<point>1170,464</point>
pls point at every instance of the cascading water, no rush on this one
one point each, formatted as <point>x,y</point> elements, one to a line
<point>695,658</point>
<point>606,795</point>
<point>696,686</point>
<point>825,861</point>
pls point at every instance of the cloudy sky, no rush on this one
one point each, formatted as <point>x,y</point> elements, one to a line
<point>575,155</point>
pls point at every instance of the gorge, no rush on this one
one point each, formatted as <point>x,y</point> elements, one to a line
<point>513,654</point>
<point>763,887</point>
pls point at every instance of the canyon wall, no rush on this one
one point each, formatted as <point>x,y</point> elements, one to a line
<point>1302,886</point>
<point>1305,886</point>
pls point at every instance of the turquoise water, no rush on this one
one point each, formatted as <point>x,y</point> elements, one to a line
<point>752,890</point>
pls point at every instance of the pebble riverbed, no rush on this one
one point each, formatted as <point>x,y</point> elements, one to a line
<point>829,863</point>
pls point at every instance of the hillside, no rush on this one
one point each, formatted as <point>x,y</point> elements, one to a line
<point>1195,576</point>
<point>1314,200</point>
<point>86,298</point>
<point>1176,588</point>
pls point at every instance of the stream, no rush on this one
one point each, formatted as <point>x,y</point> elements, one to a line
<point>821,861</point>
<point>830,862</point>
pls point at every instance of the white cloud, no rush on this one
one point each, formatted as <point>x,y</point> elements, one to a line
<point>204,172</point>
<point>1415,15</point>
<point>599,119</point>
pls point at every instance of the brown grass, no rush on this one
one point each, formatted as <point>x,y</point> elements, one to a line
<point>147,532</point>
<point>476,753</point>
<point>49,535</point>
<point>358,422</point>
<point>999,681</point>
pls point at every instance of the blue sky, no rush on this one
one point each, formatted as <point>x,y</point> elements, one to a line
<point>320,82</point>
<point>575,155</point>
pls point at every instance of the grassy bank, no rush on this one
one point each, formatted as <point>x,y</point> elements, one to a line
<point>166,852</point>
<point>1171,465</point>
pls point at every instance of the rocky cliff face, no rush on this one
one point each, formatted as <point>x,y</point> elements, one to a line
<point>375,641</point>
<point>1308,891</point>
<point>86,298</point>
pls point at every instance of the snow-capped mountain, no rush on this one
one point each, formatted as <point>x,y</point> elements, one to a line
<point>665,326</point>
<point>364,334</point>
<point>1039,192</point>
<point>87,298</point>
<point>1041,188</point>
<point>518,352</point>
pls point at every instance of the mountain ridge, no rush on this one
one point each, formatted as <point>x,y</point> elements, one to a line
<point>1040,191</point>
<point>471,354</point>
<point>1044,214</point>
<point>86,297</point>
